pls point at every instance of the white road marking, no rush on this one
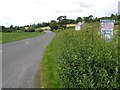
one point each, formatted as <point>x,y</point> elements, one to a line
<point>0,51</point>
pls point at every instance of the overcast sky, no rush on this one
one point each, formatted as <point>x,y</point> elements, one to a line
<point>23,12</point>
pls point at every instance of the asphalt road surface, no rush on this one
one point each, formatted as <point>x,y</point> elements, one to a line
<point>21,59</point>
<point>0,66</point>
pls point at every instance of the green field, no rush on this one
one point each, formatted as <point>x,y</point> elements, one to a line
<point>14,36</point>
<point>80,59</point>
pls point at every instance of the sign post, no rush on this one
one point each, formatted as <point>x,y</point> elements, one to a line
<point>107,27</point>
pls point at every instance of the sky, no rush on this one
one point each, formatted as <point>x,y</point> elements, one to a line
<point>26,12</point>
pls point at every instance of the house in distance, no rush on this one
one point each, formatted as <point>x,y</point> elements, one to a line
<point>79,26</point>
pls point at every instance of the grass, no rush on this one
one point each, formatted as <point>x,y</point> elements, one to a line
<point>46,76</point>
<point>72,49</point>
<point>15,36</point>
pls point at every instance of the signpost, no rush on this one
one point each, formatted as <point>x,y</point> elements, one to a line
<point>107,27</point>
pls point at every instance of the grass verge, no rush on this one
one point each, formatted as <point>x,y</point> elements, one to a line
<point>46,74</point>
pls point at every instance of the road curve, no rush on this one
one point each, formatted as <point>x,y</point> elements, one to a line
<point>20,61</point>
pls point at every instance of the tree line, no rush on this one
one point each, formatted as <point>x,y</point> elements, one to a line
<point>61,22</point>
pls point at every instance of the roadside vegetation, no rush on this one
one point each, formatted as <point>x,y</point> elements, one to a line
<point>80,59</point>
<point>74,59</point>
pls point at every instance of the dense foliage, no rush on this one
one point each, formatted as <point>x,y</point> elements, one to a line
<point>30,30</point>
<point>83,59</point>
<point>54,25</point>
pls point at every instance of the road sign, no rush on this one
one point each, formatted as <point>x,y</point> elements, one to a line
<point>107,27</point>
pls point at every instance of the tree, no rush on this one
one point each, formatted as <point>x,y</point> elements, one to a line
<point>11,27</point>
<point>62,21</point>
<point>3,28</point>
<point>60,18</point>
<point>114,17</point>
<point>95,19</point>
<point>17,27</point>
<point>44,24</point>
<point>79,19</point>
<point>54,25</point>
<point>88,19</point>
<point>118,17</point>
<point>38,25</point>
<point>72,21</point>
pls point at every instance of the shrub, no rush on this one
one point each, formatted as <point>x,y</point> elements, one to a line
<point>117,22</point>
<point>29,30</point>
<point>54,25</point>
<point>83,59</point>
<point>40,30</point>
<point>8,30</point>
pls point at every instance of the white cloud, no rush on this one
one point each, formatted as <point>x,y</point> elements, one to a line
<point>22,12</point>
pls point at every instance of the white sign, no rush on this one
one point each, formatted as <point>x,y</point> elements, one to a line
<point>107,27</point>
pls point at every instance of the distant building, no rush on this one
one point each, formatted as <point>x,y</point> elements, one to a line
<point>79,26</point>
<point>119,7</point>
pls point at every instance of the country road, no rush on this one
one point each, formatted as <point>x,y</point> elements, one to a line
<point>20,61</point>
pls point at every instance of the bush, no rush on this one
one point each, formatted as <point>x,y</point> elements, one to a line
<point>117,22</point>
<point>54,25</point>
<point>83,59</point>
<point>39,30</point>
<point>8,30</point>
<point>29,30</point>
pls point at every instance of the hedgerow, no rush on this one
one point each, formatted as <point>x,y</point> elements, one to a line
<point>83,59</point>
